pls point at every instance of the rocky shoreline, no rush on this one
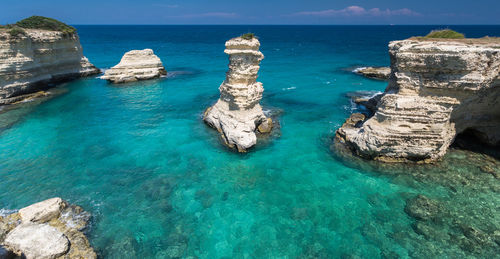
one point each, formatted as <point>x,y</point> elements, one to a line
<point>37,60</point>
<point>48,229</point>
<point>437,89</point>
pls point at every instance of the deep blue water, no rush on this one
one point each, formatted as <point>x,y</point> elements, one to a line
<point>160,184</point>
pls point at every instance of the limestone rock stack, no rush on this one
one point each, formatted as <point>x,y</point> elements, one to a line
<point>237,115</point>
<point>437,89</point>
<point>48,229</point>
<point>31,62</point>
<point>136,65</point>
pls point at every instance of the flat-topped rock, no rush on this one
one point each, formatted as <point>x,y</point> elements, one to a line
<point>437,89</point>
<point>37,241</point>
<point>136,65</point>
<point>237,115</point>
<point>381,73</point>
<point>43,211</point>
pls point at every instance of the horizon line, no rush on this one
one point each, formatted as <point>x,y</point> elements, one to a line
<point>223,24</point>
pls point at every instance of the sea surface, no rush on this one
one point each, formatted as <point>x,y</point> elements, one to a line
<point>160,184</point>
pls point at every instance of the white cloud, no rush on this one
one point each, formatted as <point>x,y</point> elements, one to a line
<point>358,11</point>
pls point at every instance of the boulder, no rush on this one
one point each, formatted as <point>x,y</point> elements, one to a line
<point>136,65</point>
<point>42,211</point>
<point>38,241</point>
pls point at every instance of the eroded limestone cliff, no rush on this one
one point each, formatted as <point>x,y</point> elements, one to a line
<point>437,89</point>
<point>33,61</point>
<point>136,65</point>
<point>237,115</point>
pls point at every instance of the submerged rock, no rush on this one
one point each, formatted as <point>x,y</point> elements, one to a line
<point>136,65</point>
<point>37,59</point>
<point>381,73</point>
<point>237,114</point>
<point>423,208</point>
<point>437,89</point>
<point>48,229</point>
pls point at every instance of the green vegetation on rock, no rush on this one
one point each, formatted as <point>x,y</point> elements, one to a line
<point>40,22</point>
<point>248,36</point>
<point>445,34</point>
<point>16,31</point>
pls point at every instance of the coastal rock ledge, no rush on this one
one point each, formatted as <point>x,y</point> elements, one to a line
<point>48,229</point>
<point>33,61</point>
<point>437,89</point>
<point>237,115</point>
<point>136,65</point>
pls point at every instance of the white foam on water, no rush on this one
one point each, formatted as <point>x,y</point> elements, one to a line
<point>6,212</point>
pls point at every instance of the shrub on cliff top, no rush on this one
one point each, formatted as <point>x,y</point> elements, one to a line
<point>40,22</point>
<point>16,31</point>
<point>248,36</point>
<point>445,34</point>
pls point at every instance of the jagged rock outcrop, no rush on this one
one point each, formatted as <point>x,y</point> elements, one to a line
<point>48,229</point>
<point>237,115</point>
<point>136,65</point>
<point>381,73</point>
<point>33,61</point>
<point>437,89</point>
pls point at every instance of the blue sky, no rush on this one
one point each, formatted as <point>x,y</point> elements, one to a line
<point>256,11</point>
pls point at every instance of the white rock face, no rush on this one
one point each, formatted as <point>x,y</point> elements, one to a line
<point>38,241</point>
<point>436,90</point>
<point>48,229</point>
<point>237,114</point>
<point>30,63</point>
<point>136,65</point>
<point>42,211</point>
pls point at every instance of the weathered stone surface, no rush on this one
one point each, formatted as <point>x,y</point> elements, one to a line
<point>57,217</point>
<point>421,207</point>
<point>32,62</point>
<point>381,73</point>
<point>43,211</point>
<point>237,114</point>
<point>39,241</point>
<point>136,65</point>
<point>436,90</point>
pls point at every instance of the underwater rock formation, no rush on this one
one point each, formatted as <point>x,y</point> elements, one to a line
<point>136,65</point>
<point>48,229</point>
<point>237,115</point>
<point>437,89</point>
<point>381,73</point>
<point>35,60</point>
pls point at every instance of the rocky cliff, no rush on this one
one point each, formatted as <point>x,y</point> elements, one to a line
<point>237,115</point>
<point>437,89</point>
<point>136,65</point>
<point>32,61</point>
<point>48,229</point>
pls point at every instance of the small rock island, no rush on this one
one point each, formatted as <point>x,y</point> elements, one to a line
<point>37,52</point>
<point>47,229</point>
<point>136,65</point>
<point>380,73</point>
<point>438,88</point>
<point>237,115</point>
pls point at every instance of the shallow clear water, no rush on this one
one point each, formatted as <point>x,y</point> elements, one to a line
<point>160,184</point>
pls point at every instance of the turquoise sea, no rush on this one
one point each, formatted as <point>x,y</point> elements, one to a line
<point>159,183</point>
